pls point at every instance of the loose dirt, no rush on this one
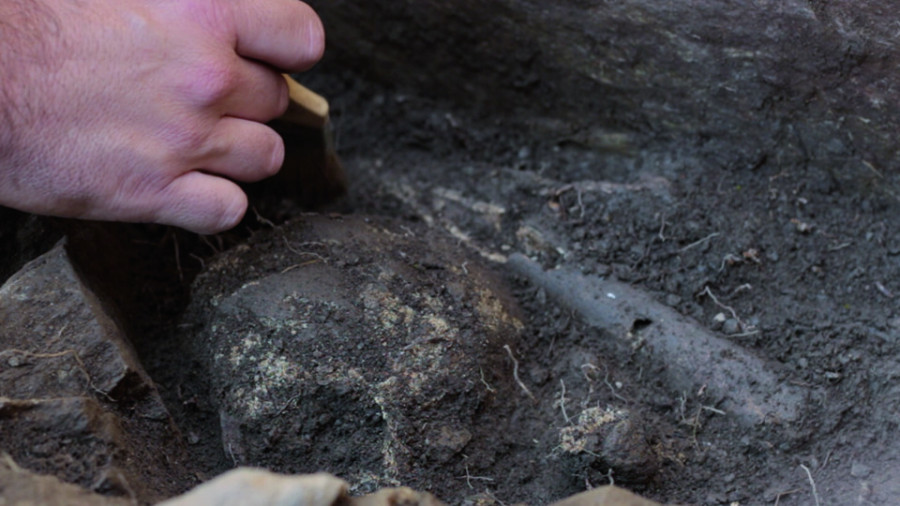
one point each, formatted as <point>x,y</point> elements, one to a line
<point>788,263</point>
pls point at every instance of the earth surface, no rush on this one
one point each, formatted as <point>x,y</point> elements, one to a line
<point>787,262</point>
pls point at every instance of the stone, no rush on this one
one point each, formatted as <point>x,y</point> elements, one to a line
<point>21,487</point>
<point>258,487</point>
<point>71,438</point>
<point>57,338</point>
<point>397,496</point>
<point>75,401</point>
<point>607,495</point>
<point>860,470</point>
<point>359,345</point>
<point>611,440</point>
<point>718,320</point>
<point>731,326</point>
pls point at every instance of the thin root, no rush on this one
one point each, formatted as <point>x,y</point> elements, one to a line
<point>812,484</point>
<point>485,383</point>
<point>262,219</point>
<point>562,400</point>
<point>707,291</point>
<point>468,477</point>
<point>609,385</point>
<point>698,243</point>
<point>516,373</point>
<point>58,354</point>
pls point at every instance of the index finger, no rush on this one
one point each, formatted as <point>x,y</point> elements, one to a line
<point>286,34</point>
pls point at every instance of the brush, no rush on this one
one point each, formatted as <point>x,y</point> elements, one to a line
<point>312,174</point>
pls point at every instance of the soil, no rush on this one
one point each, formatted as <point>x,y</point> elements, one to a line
<point>801,262</point>
<point>781,260</point>
<point>795,265</point>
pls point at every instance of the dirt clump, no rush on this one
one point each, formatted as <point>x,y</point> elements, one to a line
<point>361,345</point>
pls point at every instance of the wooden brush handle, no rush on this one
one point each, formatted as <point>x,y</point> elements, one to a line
<point>306,107</point>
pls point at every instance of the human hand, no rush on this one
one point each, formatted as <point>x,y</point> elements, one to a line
<point>140,111</point>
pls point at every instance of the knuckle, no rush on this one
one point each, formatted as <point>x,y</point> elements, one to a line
<point>189,142</point>
<point>213,83</point>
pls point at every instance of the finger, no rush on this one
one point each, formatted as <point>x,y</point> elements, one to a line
<point>260,94</point>
<point>201,203</point>
<point>284,33</point>
<point>243,150</point>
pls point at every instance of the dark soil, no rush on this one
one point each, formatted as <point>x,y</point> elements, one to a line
<point>781,260</point>
<point>802,266</point>
<point>791,262</point>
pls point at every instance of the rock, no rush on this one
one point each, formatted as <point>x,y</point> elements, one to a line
<point>57,338</point>
<point>731,326</point>
<point>77,440</point>
<point>261,488</point>
<point>74,400</point>
<point>256,487</point>
<point>718,321</point>
<point>24,488</point>
<point>71,438</point>
<point>859,470</point>
<point>611,440</point>
<point>606,496</point>
<point>400,496</point>
<point>362,346</point>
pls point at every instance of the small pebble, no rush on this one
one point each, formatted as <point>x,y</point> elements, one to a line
<point>801,226</point>
<point>731,326</point>
<point>717,321</point>
<point>858,470</point>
